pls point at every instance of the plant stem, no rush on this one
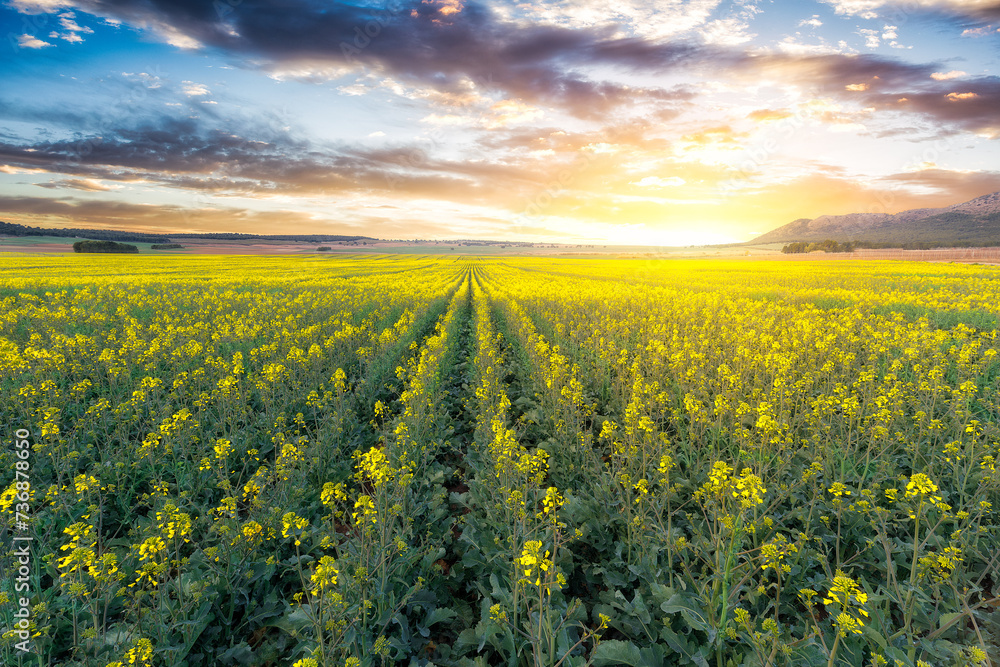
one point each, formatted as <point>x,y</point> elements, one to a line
<point>833,651</point>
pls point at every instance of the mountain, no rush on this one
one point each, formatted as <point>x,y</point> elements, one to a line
<point>975,222</point>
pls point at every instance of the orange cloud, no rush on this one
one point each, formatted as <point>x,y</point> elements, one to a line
<point>944,76</point>
<point>722,134</point>
<point>769,115</point>
<point>446,7</point>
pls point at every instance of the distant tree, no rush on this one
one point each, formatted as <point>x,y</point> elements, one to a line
<point>323,248</point>
<point>104,246</point>
<point>165,246</point>
<point>828,245</point>
<point>13,229</point>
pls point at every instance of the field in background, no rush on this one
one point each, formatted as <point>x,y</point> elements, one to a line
<point>53,244</point>
<point>47,245</point>
<point>358,460</point>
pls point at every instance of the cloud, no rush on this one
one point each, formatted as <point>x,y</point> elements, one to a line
<point>67,22</point>
<point>793,46</point>
<point>182,154</point>
<point>944,187</point>
<point>871,37</point>
<point>727,32</point>
<point>980,31</point>
<point>508,75</point>
<point>944,76</point>
<point>972,108</point>
<point>657,182</point>
<point>722,134</point>
<point>442,43</point>
<point>150,81</point>
<point>105,214</point>
<point>192,89</point>
<point>39,6</point>
<point>769,115</point>
<point>31,42</point>
<point>507,112</point>
<point>534,53</point>
<point>871,9</point>
<point>85,184</point>
<point>886,85</point>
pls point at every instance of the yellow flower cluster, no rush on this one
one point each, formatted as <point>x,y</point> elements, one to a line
<point>849,600</point>
<point>140,655</point>
<point>373,466</point>
<point>748,488</point>
<point>533,563</point>
<point>773,554</point>
<point>325,575</point>
<point>292,525</point>
<point>939,566</point>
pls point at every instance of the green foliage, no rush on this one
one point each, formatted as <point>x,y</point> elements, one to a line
<point>104,246</point>
<point>828,245</point>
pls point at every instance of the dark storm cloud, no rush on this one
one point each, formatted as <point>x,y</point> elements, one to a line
<point>162,144</point>
<point>415,41</point>
<point>889,85</point>
<point>971,104</point>
<point>182,154</point>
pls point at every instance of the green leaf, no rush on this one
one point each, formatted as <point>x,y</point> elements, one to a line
<point>438,615</point>
<point>948,619</point>
<point>614,652</point>
<point>682,647</point>
<point>687,607</point>
<point>239,654</point>
<point>876,637</point>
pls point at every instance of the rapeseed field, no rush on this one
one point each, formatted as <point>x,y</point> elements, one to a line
<point>359,461</point>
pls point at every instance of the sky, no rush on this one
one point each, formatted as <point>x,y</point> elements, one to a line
<point>664,122</point>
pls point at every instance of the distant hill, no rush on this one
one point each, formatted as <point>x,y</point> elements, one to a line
<point>975,222</point>
<point>13,229</point>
